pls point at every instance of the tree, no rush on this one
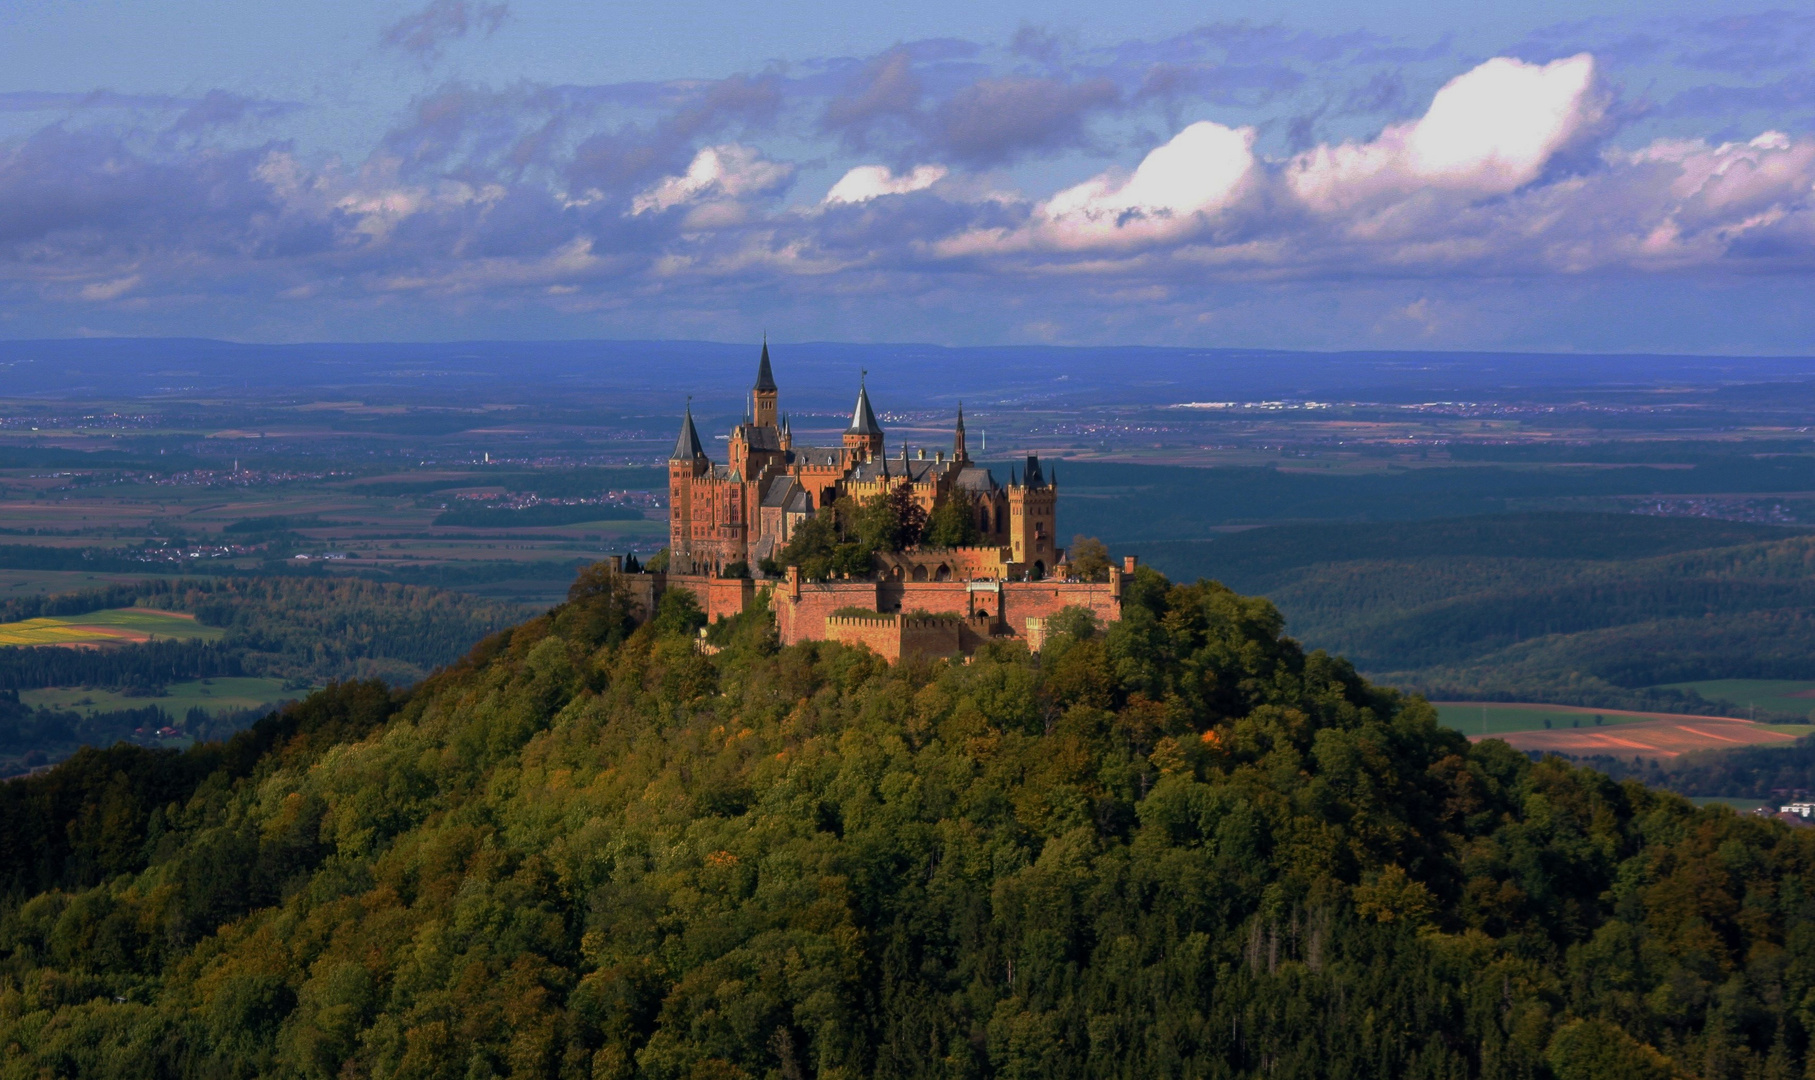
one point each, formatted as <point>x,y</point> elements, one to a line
<point>910,517</point>
<point>953,522</point>
<point>1089,559</point>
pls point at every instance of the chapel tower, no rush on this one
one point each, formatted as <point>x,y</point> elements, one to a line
<point>763,395</point>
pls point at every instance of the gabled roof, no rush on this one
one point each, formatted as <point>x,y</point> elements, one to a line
<point>816,455</point>
<point>760,438</point>
<point>687,447</point>
<point>863,418</point>
<point>780,491</point>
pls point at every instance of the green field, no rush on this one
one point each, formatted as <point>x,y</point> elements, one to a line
<point>1499,718</point>
<point>1739,803</point>
<point>215,695</point>
<point>1768,695</point>
<point>116,626</point>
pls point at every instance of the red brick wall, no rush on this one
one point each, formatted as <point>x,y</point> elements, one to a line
<point>1046,598</point>
<point>880,636</point>
<point>803,618</point>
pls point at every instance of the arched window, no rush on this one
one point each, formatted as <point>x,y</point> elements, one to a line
<point>983,519</point>
<point>944,573</point>
<point>919,573</point>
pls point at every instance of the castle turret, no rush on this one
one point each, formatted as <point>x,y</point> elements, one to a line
<point>959,454</point>
<point>1033,519</point>
<point>764,394</point>
<point>864,437</point>
<point>687,461</point>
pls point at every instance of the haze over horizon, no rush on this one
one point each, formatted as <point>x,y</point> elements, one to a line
<point>1599,178</point>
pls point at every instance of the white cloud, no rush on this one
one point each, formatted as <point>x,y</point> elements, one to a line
<point>729,171</point>
<point>1175,191</point>
<point>1489,131</point>
<point>867,182</point>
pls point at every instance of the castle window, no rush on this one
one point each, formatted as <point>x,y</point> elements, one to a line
<point>983,519</point>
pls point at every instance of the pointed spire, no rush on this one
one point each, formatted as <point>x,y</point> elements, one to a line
<point>765,379</point>
<point>863,418</point>
<point>687,447</point>
<point>959,452</point>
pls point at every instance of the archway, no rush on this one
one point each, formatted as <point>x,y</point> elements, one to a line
<point>1039,569</point>
<point>895,572</point>
<point>944,574</point>
<point>919,573</point>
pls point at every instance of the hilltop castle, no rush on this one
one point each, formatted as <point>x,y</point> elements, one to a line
<point>924,601</point>
<point>745,510</point>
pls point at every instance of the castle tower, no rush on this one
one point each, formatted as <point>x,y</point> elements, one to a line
<point>959,454</point>
<point>864,437</point>
<point>1033,520</point>
<point>763,395</point>
<point>687,461</point>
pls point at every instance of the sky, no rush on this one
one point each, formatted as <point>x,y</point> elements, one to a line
<point>1584,176</point>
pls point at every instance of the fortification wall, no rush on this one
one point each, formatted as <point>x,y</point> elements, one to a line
<point>1043,599</point>
<point>801,607</point>
<point>717,597</point>
<point>881,636</point>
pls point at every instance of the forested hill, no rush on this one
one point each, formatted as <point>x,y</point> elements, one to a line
<point>1180,847</point>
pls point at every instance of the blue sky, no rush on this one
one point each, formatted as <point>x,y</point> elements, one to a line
<point>1551,176</point>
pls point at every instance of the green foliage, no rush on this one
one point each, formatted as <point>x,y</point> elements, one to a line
<point>953,522</point>
<point>1178,846</point>
<point>1594,610</point>
<point>1089,559</point>
<point>678,613</point>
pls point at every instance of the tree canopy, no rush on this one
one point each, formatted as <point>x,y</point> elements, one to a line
<point>1174,845</point>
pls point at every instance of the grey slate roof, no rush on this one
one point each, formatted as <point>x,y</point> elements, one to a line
<point>765,379</point>
<point>863,418</point>
<point>687,447</point>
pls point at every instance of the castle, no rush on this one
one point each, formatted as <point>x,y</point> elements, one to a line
<point>744,511</point>
<point>725,519</point>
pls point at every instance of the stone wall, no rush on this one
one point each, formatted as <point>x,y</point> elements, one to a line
<point>987,609</point>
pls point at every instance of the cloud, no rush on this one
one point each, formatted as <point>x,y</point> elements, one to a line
<point>1176,191</point>
<point>678,195</point>
<point>729,171</point>
<point>886,92</point>
<point>1489,131</point>
<point>866,182</point>
<point>993,121</point>
<point>427,32</point>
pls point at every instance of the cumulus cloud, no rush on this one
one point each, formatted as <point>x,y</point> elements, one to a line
<point>1176,191</point>
<point>665,189</point>
<point>426,33</point>
<point>866,182</point>
<point>730,171</point>
<point>1489,131</point>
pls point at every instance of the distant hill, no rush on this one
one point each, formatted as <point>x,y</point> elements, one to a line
<point>1589,609</point>
<point>1175,847</point>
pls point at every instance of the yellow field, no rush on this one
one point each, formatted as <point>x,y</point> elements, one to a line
<point>119,626</point>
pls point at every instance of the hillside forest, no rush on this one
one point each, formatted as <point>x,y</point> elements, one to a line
<point>1591,609</point>
<point>293,632</point>
<point>1175,846</point>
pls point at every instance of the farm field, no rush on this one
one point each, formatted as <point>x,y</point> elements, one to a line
<point>1794,697</point>
<point>1502,718</point>
<point>214,695</point>
<point>1656,738</point>
<point>120,626</point>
